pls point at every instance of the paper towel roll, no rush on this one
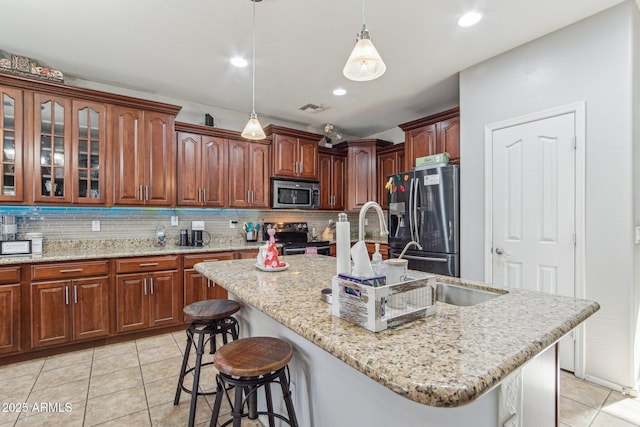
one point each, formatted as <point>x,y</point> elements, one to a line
<point>361,262</point>
<point>343,246</point>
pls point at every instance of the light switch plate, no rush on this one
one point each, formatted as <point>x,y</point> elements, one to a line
<point>174,220</point>
<point>95,225</point>
<point>232,223</point>
<point>638,235</point>
<point>197,225</point>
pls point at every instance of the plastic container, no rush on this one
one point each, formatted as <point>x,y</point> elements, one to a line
<point>379,267</point>
<point>36,242</point>
<point>161,238</point>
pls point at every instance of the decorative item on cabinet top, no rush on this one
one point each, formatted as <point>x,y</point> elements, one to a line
<point>24,66</point>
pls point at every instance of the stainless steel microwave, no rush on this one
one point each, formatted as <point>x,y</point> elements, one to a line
<point>291,194</point>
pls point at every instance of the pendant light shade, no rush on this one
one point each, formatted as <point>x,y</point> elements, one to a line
<point>253,129</point>
<point>365,63</point>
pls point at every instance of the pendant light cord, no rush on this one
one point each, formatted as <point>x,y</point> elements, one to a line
<point>253,62</point>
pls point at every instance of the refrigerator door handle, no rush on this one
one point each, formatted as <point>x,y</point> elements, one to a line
<point>410,210</point>
<point>424,258</point>
<point>416,188</point>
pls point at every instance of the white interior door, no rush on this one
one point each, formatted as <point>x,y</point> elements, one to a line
<point>533,210</point>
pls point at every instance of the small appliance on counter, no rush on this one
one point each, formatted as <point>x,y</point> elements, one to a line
<point>9,245</point>
<point>294,238</point>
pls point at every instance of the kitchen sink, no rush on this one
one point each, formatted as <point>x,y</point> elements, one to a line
<point>463,296</point>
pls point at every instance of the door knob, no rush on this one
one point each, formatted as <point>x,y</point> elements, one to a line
<point>499,251</point>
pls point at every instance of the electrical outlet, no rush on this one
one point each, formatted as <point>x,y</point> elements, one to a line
<point>366,221</point>
<point>197,225</point>
<point>232,223</point>
<point>174,220</point>
<point>95,225</point>
<point>638,235</point>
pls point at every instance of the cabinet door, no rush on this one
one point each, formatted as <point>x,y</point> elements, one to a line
<point>324,175</point>
<point>89,142</point>
<point>50,313</point>
<point>362,176</point>
<point>259,161</point>
<point>128,178</point>
<point>165,300</point>
<point>196,287</point>
<point>159,148</point>
<point>238,174</point>
<point>132,302</point>
<point>307,159</point>
<point>51,149</point>
<point>285,156</point>
<point>214,172</point>
<point>189,169</point>
<point>449,138</point>
<point>421,142</point>
<point>339,174</point>
<point>386,166</point>
<point>90,308</point>
<point>10,318</point>
<point>11,145</point>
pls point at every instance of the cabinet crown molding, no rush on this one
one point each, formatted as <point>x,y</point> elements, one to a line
<point>434,118</point>
<point>215,132</point>
<point>281,130</point>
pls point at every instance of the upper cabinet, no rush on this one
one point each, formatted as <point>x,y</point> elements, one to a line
<point>89,152</point>
<point>294,153</point>
<point>434,134</point>
<point>332,175</point>
<point>12,145</point>
<point>144,153</point>
<point>249,174</point>
<point>362,173</point>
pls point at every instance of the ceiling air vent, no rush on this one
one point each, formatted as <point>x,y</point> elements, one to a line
<point>313,108</point>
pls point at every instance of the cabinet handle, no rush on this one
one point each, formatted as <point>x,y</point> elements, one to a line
<point>75,294</point>
<point>204,195</point>
<point>66,295</point>
<point>208,283</point>
<point>144,282</point>
<point>151,280</point>
<point>148,264</point>
<point>72,270</point>
<point>146,192</point>
<point>140,197</point>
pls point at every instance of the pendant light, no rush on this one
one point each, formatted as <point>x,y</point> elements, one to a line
<point>365,62</point>
<point>253,129</point>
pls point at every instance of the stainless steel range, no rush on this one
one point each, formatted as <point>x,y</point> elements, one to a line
<point>294,238</point>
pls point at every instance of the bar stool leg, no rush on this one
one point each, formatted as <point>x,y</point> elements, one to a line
<point>267,392</point>
<point>185,360</point>
<point>237,407</point>
<point>218,402</point>
<point>196,379</point>
<point>286,393</point>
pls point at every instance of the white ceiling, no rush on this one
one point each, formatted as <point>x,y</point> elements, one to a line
<point>181,49</point>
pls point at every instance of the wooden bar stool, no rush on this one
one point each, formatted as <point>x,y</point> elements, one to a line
<point>248,364</point>
<point>208,319</point>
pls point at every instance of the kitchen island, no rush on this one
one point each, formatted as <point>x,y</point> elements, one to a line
<point>479,365</point>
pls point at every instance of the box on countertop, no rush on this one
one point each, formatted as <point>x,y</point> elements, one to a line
<point>369,281</point>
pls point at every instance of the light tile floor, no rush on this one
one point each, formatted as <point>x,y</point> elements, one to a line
<point>133,384</point>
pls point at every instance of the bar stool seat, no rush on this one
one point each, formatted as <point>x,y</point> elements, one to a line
<point>209,318</point>
<point>247,364</point>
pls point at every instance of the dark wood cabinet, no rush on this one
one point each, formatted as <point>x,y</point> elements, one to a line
<point>12,145</point>
<point>434,134</point>
<point>362,173</point>
<point>148,293</point>
<point>144,157</point>
<point>196,286</point>
<point>202,170</point>
<point>295,153</point>
<point>89,153</point>
<point>10,310</point>
<point>390,162</point>
<point>332,174</point>
<point>66,305</point>
<point>249,171</point>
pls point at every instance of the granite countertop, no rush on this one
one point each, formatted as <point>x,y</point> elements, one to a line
<point>87,250</point>
<point>445,360</point>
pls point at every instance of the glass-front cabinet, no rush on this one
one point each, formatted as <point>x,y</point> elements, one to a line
<point>89,150</point>
<point>52,149</point>
<point>11,145</point>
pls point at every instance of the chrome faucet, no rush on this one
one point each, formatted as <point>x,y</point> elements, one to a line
<point>363,211</point>
<point>414,243</point>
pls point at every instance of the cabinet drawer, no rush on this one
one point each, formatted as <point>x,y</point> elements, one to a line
<point>135,265</point>
<point>191,260</point>
<point>76,269</point>
<point>9,275</point>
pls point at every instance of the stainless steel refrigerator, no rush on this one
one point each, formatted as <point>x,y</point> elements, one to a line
<point>424,206</point>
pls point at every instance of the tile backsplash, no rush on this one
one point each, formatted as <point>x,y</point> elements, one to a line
<point>69,224</point>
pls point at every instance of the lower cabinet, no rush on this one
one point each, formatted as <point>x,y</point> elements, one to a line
<point>196,286</point>
<point>10,310</point>
<point>147,293</point>
<point>68,306</point>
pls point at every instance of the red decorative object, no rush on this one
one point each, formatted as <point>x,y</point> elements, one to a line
<point>271,257</point>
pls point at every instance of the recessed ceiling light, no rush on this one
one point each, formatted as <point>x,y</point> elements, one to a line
<point>339,91</point>
<point>239,62</point>
<point>469,19</point>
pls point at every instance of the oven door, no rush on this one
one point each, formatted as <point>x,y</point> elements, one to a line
<point>301,250</point>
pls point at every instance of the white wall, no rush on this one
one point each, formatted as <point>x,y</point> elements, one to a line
<point>635,319</point>
<point>589,61</point>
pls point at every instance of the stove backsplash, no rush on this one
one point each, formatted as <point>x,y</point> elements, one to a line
<point>73,225</point>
